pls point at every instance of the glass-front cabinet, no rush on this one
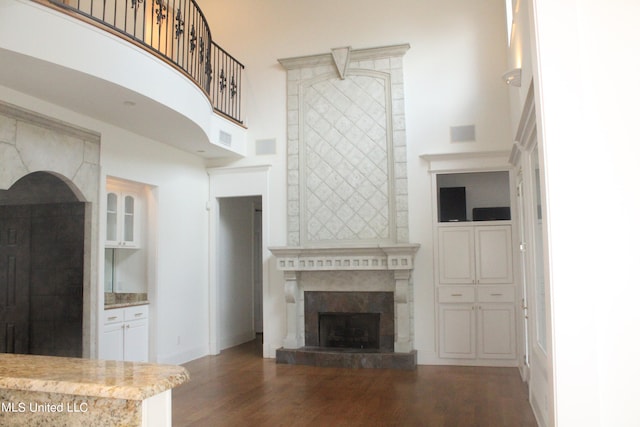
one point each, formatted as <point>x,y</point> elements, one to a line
<point>122,220</point>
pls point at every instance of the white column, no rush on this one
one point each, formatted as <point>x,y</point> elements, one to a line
<point>292,294</point>
<point>403,343</point>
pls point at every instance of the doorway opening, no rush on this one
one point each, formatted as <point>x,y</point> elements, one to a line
<point>240,271</point>
<point>42,235</point>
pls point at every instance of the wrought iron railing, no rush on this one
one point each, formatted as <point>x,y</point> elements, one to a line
<point>177,31</point>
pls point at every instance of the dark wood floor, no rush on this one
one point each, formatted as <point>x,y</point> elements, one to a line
<point>240,388</point>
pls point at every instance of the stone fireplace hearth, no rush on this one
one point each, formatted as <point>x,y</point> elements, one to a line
<point>348,250</point>
<point>348,280</point>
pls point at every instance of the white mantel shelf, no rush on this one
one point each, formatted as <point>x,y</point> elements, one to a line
<point>373,257</point>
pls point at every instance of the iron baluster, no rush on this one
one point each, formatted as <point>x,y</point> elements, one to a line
<point>160,12</point>
<point>179,23</point>
<point>193,39</point>
<point>222,81</point>
<point>233,87</point>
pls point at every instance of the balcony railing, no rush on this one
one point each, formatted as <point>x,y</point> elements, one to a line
<point>177,31</point>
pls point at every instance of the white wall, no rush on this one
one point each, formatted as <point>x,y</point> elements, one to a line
<point>452,77</point>
<point>179,303</point>
<point>587,122</point>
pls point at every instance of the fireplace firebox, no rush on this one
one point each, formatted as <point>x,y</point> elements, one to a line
<point>349,330</point>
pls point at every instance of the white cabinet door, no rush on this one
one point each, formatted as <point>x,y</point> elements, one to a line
<point>457,331</point>
<point>456,255</point>
<point>126,334</point>
<point>494,255</point>
<point>475,254</point>
<point>496,331</point>
<point>136,341</point>
<point>123,212</point>
<point>111,347</point>
<point>476,322</point>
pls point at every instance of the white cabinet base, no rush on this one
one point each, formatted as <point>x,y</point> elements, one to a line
<point>126,334</point>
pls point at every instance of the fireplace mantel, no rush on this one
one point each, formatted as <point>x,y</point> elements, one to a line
<point>395,258</point>
<point>361,258</point>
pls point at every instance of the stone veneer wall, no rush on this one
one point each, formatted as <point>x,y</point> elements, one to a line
<point>30,143</point>
<point>347,173</point>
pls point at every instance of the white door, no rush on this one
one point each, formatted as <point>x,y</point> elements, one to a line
<point>457,331</point>
<point>136,341</point>
<point>496,331</point>
<point>494,256</point>
<point>524,306</point>
<point>257,269</point>
<point>456,252</point>
<point>111,345</point>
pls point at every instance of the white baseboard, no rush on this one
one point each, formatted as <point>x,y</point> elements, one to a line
<point>238,339</point>
<point>185,356</point>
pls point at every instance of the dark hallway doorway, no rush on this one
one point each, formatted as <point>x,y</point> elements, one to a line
<point>41,267</point>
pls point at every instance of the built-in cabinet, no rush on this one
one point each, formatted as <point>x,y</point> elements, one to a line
<point>125,322</point>
<point>476,293</point>
<point>122,219</point>
<point>475,254</point>
<point>126,334</point>
<point>476,322</point>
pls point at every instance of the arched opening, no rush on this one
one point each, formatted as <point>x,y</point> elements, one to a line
<point>42,237</point>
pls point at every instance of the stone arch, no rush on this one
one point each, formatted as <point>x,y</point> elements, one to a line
<point>31,143</point>
<point>42,238</point>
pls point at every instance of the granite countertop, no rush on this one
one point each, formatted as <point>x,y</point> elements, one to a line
<point>125,304</point>
<point>88,377</point>
<point>122,299</point>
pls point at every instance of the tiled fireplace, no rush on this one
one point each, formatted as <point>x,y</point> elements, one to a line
<point>348,259</point>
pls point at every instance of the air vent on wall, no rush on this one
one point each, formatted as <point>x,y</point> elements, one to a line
<point>463,133</point>
<point>225,138</point>
<point>265,146</point>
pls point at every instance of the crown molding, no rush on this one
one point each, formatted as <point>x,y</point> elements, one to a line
<point>354,55</point>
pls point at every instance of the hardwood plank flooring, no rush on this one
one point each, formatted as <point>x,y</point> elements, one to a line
<point>240,388</point>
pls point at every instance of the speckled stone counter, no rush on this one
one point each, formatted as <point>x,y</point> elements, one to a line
<point>118,300</point>
<point>60,391</point>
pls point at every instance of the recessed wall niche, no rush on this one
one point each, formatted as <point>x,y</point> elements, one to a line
<point>31,144</point>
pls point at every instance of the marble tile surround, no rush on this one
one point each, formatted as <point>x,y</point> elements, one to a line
<point>31,142</point>
<point>346,155</point>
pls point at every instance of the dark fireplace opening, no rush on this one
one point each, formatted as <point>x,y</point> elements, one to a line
<point>349,330</point>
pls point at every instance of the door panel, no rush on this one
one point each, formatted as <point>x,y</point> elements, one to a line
<point>14,279</point>
<point>456,255</point>
<point>494,255</point>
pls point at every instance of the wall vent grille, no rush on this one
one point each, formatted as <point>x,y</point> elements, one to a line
<point>225,138</point>
<point>463,133</point>
<point>265,146</point>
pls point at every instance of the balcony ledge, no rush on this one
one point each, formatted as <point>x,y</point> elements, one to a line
<point>73,67</point>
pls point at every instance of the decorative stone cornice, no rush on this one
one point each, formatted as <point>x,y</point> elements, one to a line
<point>359,258</point>
<point>354,55</point>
